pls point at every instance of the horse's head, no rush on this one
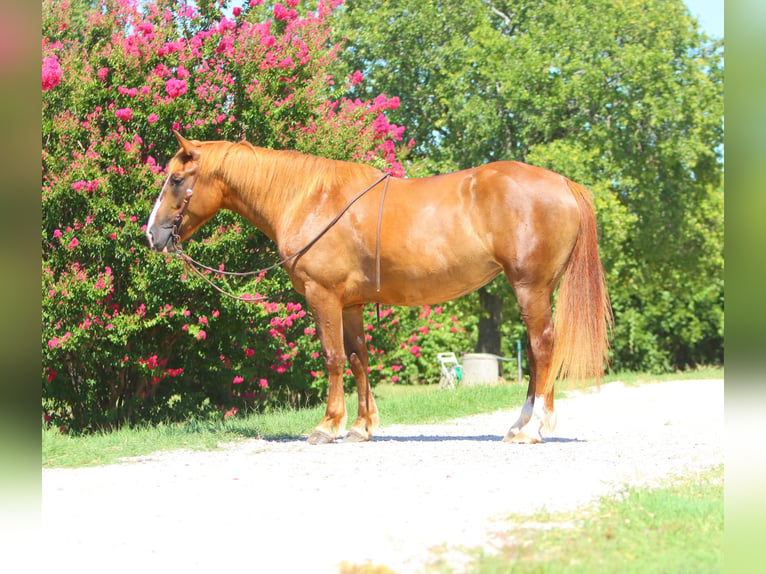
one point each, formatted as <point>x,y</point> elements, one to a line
<point>186,200</point>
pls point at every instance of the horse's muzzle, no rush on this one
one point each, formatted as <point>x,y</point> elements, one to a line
<point>161,238</point>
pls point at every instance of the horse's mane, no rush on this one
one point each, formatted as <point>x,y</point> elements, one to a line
<point>278,176</point>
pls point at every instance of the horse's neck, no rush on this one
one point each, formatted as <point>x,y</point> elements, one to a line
<point>265,187</point>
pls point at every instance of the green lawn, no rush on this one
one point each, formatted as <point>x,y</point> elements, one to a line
<point>397,404</point>
<point>674,529</point>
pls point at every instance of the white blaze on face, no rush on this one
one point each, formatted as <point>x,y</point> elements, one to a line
<point>153,214</point>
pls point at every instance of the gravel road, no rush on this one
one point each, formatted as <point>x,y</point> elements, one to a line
<point>284,507</point>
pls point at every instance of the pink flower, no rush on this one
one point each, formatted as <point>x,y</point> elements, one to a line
<point>161,70</point>
<point>282,13</point>
<point>130,92</point>
<point>202,335</point>
<point>51,73</point>
<point>356,78</point>
<point>230,413</point>
<point>236,11</point>
<point>254,3</point>
<point>249,352</point>
<point>238,380</point>
<point>57,234</point>
<point>263,383</point>
<point>287,63</point>
<point>103,73</point>
<point>146,29</point>
<point>175,87</point>
<point>74,243</point>
<point>152,118</point>
<point>415,350</point>
<point>124,114</point>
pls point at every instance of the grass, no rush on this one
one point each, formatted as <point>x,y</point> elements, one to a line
<point>398,404</point>
<point>676,528</point>
<point>426,404</point>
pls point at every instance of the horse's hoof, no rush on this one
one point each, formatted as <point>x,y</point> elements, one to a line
<point>319,437</point>
<point>521,438</point>
<point>356,436</point>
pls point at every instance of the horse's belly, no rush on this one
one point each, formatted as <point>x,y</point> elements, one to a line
<point>434,283</point>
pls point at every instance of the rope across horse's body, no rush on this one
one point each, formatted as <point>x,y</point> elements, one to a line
<point>195,265</point>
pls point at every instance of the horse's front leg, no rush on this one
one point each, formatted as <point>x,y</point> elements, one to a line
<point>356,350</point>
<point>327,312</point>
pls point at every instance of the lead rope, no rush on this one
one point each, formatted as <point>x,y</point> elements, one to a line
<point>193,264</point>
<point>377,250</point>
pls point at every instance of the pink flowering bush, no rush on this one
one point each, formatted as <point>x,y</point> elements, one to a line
<point>51,73</point>
<point>127,335</point>
<point>404,349</point>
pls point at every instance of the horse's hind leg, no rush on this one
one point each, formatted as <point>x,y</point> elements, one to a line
<point>356,351</point>
<point>537,411</point>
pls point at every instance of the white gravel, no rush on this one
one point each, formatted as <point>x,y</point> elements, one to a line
<point>273,507</point>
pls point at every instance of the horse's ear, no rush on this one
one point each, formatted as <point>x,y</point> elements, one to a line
<point>188,147</point>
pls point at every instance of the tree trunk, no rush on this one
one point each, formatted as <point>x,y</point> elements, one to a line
<point>489,322</point>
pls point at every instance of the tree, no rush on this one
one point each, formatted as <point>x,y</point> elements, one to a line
<point>625,97</point>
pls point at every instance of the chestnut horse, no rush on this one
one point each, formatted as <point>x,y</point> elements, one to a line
<point>438,238</point>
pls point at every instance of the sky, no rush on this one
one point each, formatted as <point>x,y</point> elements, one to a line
<point>709,14</point>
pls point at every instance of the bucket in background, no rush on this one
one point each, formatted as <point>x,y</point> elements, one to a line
<point>480,369</point>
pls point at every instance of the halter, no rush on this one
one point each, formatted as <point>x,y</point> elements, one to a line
<point>175,232</point>
<point>177,219</point>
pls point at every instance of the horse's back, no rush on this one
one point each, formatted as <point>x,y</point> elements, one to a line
<point>460,230</point>
<point>528,215</point>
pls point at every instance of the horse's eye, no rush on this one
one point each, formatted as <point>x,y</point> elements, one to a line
<point>176,179</point>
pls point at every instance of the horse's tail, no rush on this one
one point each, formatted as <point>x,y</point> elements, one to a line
<point>583,315</point>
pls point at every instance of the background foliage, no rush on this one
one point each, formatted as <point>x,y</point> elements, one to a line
<point>624,97</point>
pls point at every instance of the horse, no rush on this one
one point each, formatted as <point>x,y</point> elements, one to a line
<point>408,242</point>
